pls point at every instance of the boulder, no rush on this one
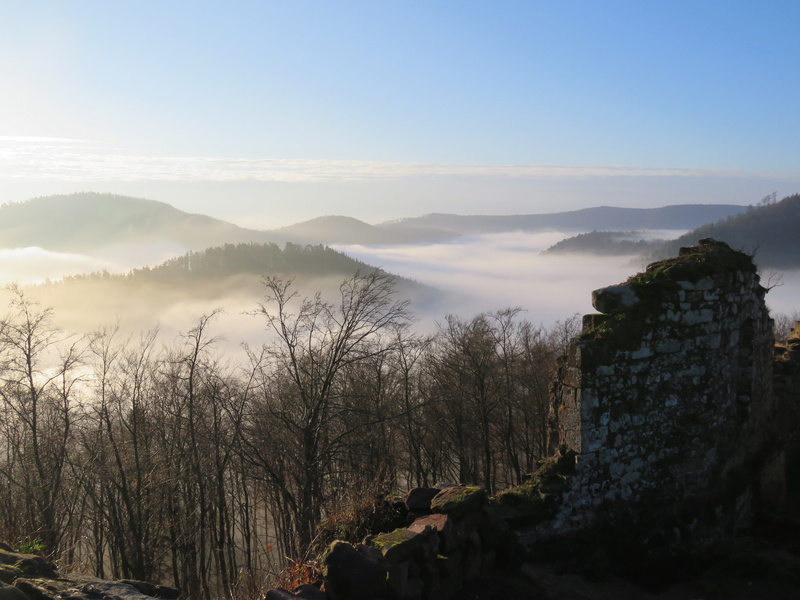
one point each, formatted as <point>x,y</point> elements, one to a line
<point>78,587</point>
<point>8,592</point>
<point>615,299</point>
<point>459,501</point>
<point>440,523</point>
<point>419,499</point>
<point>398,544</point>
<point>25,565</point>
<point>352,574</point>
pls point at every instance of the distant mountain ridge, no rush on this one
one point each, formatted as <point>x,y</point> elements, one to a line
<point>601,218</point>
<point>89,221</point>
<point>337,229</point>
<point>437,227</point>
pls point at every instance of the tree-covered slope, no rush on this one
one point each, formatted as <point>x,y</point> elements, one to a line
<point>769,232</point>
<point>606,243</point>
<point>229,260</point>
<point>229,277</point>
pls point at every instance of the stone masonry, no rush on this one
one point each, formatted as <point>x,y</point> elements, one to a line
<point>667,399</point>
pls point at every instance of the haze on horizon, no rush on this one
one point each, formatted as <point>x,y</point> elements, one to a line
<point>265,114</point>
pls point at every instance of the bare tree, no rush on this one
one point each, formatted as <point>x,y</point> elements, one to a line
<point>38,372</point>
<point>298,374</point>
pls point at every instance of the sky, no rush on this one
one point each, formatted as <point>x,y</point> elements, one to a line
<point>266,113</point>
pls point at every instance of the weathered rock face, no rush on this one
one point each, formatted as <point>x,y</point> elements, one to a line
<point>668,398</point>
<point>452,538</point>
<point>29,577</point>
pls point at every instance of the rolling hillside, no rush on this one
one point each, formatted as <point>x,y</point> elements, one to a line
<point>337,229</point>
<point>228,277</point>
<point>84,222</point>
<point>769,232</point>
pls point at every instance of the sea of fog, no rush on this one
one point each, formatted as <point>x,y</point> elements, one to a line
<point>495,271</point>
<point>476,274</point>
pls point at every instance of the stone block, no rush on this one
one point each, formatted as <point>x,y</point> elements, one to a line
<point>29,565</point>
<point>419,499</point>
<point>9,573</point>
<point>445,588</point>
<point>8,592</point>
<point>397,580</point>
<point>615,299</point>
<point>472,557</point>
<point>443,526</point>
<point>487,565</point>
<point>351,574</point>
<point>459,501</point>
<point>450,565</point>
<point>78,587</point>
<point>398,544</point>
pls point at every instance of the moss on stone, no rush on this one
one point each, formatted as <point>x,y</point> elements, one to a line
<point>397,544</point>
<point>708,258</point>
<point>524,506</point>
<point>659,283</point>
<point>459,500</point>
<point>353,523</point>
<point>622,331</point>
<point>535,500</point>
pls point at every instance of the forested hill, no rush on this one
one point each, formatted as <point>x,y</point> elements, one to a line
<point>770,232</point>
<point>88,221</point>
<point>604,243</point>
<point>243,259</point>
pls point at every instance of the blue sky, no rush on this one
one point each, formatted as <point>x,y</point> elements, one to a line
<point>386,109</point>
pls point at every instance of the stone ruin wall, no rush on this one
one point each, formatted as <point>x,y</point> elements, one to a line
<point>667,398</point>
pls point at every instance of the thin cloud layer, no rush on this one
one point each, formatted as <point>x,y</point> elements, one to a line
<point>62,159</point>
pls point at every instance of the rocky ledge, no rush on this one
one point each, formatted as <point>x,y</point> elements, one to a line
<point>30,577</point>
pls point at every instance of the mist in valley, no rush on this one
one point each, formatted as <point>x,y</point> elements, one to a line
<point>463,277</point>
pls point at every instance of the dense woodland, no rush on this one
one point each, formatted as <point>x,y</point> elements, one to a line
<point>162,461</point>
<point>233,259</point>
<point>767,231</point>
<point>605,243</point>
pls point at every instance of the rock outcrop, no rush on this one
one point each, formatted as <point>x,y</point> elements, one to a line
<point>30,577</point>
<point>452,538</point>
